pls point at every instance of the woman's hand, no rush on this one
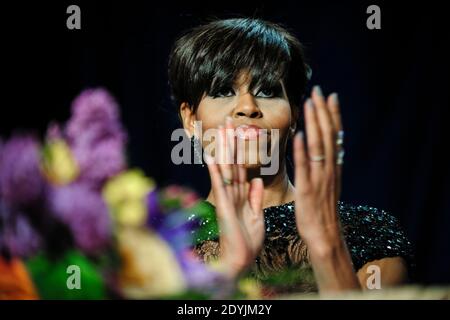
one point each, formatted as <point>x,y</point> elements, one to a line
<point>317,175</point>
<point>317,191</point>
<point>238,206</point>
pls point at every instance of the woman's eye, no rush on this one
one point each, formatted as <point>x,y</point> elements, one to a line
<point>268,93</point>
<point>224,93</point>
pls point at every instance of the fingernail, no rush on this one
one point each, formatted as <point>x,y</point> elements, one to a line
<point>318,91</point>
<point>309,103</point>
<point>334,98</point>
<point>300,134</point>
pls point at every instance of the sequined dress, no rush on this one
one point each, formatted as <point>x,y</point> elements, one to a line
<point>370,234</point>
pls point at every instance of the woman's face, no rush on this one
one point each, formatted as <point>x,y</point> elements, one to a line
<point>251,112</point>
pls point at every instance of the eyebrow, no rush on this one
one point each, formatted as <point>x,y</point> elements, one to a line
<point>232,82</point>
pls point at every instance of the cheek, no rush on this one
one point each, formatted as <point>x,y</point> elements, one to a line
<point>279,116</point>
<point>210,115</point>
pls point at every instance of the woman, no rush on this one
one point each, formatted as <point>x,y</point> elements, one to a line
<point>250,75</point>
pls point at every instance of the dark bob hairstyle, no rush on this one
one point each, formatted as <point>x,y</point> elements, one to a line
<point>210,57</point>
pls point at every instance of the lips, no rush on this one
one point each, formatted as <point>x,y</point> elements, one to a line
<point>249,132</point>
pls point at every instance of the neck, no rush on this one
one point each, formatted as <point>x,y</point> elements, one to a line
<point>277,188</point>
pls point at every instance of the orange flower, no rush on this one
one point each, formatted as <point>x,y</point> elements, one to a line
<point>15,282</point>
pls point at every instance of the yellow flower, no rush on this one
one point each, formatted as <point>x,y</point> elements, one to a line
<point>59,165</point>
<point>125,195</point>
<point>251,288</point>
<point>149,266</point>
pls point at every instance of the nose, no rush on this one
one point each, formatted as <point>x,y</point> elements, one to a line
<point>247,107</point>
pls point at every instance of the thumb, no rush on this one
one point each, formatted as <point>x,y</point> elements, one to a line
<point>255,195</point>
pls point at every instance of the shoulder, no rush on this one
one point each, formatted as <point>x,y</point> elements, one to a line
<point>373,234</point>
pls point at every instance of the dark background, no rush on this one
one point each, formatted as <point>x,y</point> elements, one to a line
<point>393,86</point>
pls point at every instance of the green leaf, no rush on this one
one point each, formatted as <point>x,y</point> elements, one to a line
<point>51,277</point>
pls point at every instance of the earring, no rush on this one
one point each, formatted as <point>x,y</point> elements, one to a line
<point>198,159</point>
<point>292,132</point>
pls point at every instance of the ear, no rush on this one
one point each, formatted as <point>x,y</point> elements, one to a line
<point>187,118</point>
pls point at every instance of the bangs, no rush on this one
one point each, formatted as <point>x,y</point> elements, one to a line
<point>247,47</point>
<point>213,56</point>
<point>242,45</point>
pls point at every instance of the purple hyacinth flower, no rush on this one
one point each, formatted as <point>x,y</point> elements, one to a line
<point>95,105</point>
<point>96,136</point>
<point>99,162</point>
<point>155,213</point>
<point>196,273</point>
<point>176,229</point>
<point>21,181</point>
<point>86,214</point>
<point>17,236</point>
<point>173,226</point>
<point>95,116</point>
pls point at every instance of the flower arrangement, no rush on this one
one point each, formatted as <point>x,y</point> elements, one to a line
<point>77,223</point>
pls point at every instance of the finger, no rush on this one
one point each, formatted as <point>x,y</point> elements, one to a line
<point>334,107</point>
<point>301,162</point>
<point>216,179</point>
<point>255,195</point>
<point>326,127</point>
<point>229,148</point>
<point>224,165</point>
<point>226,217</point>
<point>236,182</point>
<point>243,192</point>
<point>314,139</point>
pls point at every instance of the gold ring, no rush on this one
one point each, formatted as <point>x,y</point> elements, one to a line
<point>317,158</point>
